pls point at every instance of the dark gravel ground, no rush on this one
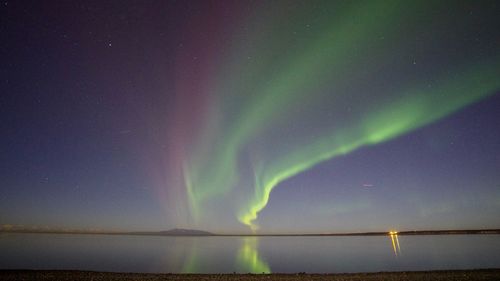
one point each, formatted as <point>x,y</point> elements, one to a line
<point>484,274</point>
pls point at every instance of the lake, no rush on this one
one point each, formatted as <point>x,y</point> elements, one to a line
<point>326,254</point>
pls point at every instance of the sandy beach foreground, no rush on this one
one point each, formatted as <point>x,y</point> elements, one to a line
<point>483,274</point>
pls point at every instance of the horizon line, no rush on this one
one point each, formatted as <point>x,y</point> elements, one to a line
<point>166,232</point>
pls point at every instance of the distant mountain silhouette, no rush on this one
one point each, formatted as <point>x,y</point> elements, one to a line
<point>185,232</point>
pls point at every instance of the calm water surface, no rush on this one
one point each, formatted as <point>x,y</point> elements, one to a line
<point>248,254</point>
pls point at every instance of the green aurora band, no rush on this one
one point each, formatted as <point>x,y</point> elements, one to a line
<point>415,108</point>
<point>320,61</point>
<point>289,73</point>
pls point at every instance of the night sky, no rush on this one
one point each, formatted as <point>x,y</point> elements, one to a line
<point>233,116</point>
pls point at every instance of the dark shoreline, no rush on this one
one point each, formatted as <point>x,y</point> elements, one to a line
<point>477,274</point>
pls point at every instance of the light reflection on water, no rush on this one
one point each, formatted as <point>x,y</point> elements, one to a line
<point>395,244</point>
<point>248,254</point>
<point>248,257</point>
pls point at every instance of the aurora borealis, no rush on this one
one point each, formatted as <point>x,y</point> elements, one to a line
<point>403,116</point>
<point>240,116</point>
